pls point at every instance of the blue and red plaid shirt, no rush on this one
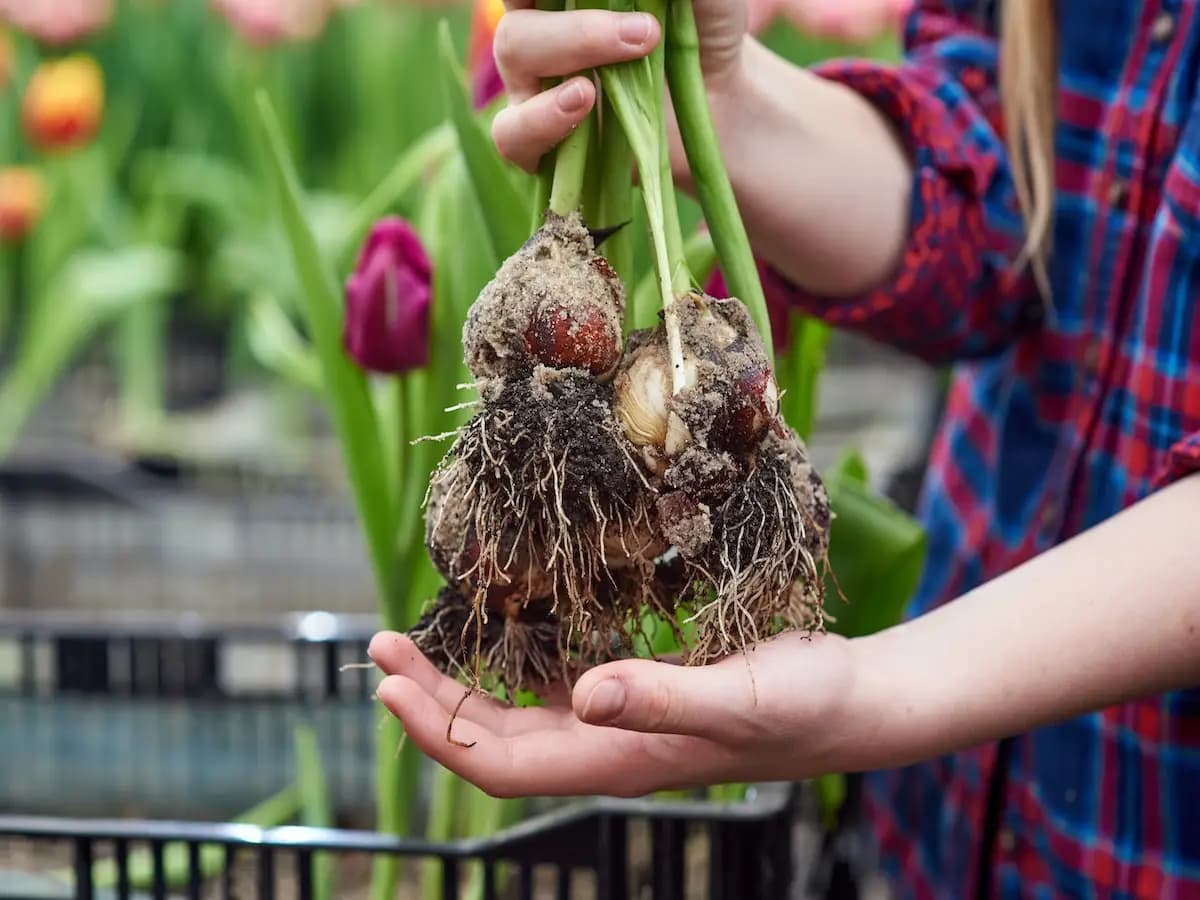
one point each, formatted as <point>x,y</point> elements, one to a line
<point>1053,423</point>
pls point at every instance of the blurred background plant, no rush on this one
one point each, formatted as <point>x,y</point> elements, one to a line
<point>149,284</point>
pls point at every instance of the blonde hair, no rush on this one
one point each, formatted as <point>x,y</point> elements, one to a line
<point>1028,92</point>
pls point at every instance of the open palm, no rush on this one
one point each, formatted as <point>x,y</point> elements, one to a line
<point>632,727</point>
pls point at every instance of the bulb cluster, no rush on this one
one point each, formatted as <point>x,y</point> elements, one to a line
<point>586,490</point>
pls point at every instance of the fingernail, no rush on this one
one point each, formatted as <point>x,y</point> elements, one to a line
<point>605,702</point>
<point>570,97</point>
<point>634,29</point>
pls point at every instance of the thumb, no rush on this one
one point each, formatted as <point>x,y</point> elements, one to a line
<point>643,695</point>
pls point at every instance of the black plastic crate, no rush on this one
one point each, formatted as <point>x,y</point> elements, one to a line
<point>176,717</point>
<point>605,849</point>
<point>110,717</point>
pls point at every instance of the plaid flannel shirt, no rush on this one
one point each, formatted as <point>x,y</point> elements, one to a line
<point>1053,422</point>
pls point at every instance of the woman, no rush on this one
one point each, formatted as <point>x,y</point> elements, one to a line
<point>1021,197</point>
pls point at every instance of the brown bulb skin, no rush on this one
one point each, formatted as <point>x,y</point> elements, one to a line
<point>584,340</point>
<point>751,408</point>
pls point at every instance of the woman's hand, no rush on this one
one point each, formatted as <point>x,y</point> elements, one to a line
<point>635,726</point>
<point>821,179</point>
<point>531,45</point>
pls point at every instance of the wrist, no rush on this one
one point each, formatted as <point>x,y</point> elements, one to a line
<point>859,723</point>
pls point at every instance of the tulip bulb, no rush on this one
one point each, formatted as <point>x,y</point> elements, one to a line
<point>728,400</point>
<point>643,407</point>
<point>554,302</point>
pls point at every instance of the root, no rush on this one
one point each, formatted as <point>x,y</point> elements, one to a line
<point>516,648</point>
<point>450,739</point>
<point>767,555</point>
<point>539,489</point>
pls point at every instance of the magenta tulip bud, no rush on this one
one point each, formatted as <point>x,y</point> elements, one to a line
<point>388,299</point>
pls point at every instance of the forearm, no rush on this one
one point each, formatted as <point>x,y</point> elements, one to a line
<point>1107,617</point>
<point>821,178</point>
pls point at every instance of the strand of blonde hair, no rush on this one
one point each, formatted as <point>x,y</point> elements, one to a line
<point>1028,92</point>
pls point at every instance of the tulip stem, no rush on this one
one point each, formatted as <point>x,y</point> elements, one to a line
<point>713,187</point>
<point>545,175</point>
<point>636,91</point>
<point>614,206</point>
<point>570,169</point>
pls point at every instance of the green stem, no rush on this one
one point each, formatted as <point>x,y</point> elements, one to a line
<point>488,816</point>
<point>708,171</point>
<point>637,98</point>
<point>315,808</point>
<point>19,396</point>
<point>394,429</point>
<point>447,788</point>
<point>615,201</point>
<point>413,479</point>
<point>397,774</point>
<point>142,356</point>
<point>680,277</point>
<point>700,258</point>
<point>570,169</point>
<point>810,338</point>
<point>545,176</point>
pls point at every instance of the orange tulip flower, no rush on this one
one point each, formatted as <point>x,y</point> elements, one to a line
<point>22,199</point>
<point>64,103</point>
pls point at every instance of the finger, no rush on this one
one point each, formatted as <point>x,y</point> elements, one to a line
<point>437,732</point>
<point>570,760</point>
<point>396,654</point>
<point>525,131</point>
<point>531,45</point>
<point>712,702</point>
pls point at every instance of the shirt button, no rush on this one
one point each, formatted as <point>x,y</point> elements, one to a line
<point>1007,840</point>
<point>1049,517</point>
<point>1163,28</point>
<point>1118,193</point>
<point>1091,357</point>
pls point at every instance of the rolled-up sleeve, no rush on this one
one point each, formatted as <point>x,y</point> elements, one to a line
<point>1183,459</point>
<point>955,294</point>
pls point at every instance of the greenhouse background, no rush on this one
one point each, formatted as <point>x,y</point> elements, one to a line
<point>184,575</point>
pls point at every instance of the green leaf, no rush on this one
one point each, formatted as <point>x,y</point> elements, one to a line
<point>850,467</point>
<point>217,186</point>
<point>876,553</point>
<point>701,256</point>
<point>315,808</point>
<point>89,292</point>
<point>630,87</point>
<point>427,153</point>
<point>278,346</point>
<point>505,212</point>
<point>345,384</point>
<point>800,372</point>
